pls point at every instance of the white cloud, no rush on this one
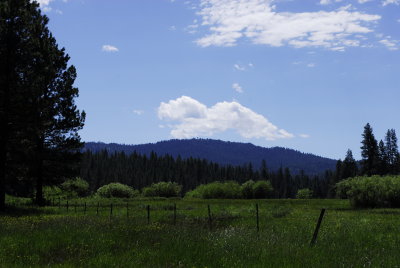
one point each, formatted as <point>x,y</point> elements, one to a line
<point>109,48</point>
<point>251,65</point>
<point>138,112</point>
<point>390,44</point>
<point>390,2</point>
<point>311,65</point>
<point>237,87</point>
<point>228,21</point>
<point>363,1</point>
<point>172,28</point>
<point>325,2</point>
<point>195,119</point>
<point>304,136</point>
<point>239,67</point>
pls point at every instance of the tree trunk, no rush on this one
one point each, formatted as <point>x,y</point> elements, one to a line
<point>39,174</point>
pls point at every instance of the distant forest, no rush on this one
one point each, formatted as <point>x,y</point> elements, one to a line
<point>138,170</point>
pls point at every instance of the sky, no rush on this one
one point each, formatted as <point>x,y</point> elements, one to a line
<point>300,74</point>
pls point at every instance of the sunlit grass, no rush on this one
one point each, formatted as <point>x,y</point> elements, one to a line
<point>53,236</point>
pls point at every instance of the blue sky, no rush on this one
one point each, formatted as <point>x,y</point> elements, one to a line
<point>301,74</point>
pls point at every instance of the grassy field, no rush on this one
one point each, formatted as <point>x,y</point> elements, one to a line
<point>55,237</point>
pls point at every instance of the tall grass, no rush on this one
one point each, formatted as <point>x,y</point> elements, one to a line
<point>57,238</point>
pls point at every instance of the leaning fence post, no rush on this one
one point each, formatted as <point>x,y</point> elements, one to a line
<point>209,216</point>
<point>258,223</point>
<point>314,238</point>
<point>175,214</point>
<point>148,214</point>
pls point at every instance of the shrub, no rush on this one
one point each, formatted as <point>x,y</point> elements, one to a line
<point>372,191</point>
<point>162,189</point>
<point>217,190</point>
<point>50,192</point>
<point>116,190</point>
<point>75,187</point>
<point>262,189</point>
<point>304,194</point>
<point>247,189</point>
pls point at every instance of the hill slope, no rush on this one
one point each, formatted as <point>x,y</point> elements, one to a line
<point>222,152</point>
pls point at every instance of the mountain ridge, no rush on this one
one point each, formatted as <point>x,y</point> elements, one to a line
<point>226,153</point>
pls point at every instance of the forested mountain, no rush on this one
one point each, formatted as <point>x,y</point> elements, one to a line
<point>226,153</point>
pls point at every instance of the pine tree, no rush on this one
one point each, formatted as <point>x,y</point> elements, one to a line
<point>392,151</point>
<point>369,152</point>
<point>34,67</point>
<point>349,166</point>
<point>383,159</point>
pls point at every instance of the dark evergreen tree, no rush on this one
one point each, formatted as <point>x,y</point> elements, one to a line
<point>34,67</point>
<point>392,151</point>
<point>369,152</point>
<point>349,166</point>
<point>383,166</point>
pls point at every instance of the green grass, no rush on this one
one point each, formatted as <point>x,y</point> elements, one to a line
<point>53,237</point>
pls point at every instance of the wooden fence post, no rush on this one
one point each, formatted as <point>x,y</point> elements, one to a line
<point>258,223</point>
<point>148,214</point>
<point>97,210</point>
<point>314,238</point>
<point>111,210</point>
<point>67,206</point>
<point>209,217</point>
<point>175,214</point>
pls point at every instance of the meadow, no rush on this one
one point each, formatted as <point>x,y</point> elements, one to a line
<point>93,237</point>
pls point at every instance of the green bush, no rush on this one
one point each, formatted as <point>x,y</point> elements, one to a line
<point>372,191</point>
<point>116,190</point>
<point>76,187</point>
<point>304,194</point>
<point>218,190</point>
<point>162,189</point>
<point>262,189</point>
<point>52,192</point>
<point>247,189</point>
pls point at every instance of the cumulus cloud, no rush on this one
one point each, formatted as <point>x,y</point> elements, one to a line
<point>228,21</point>
<point>194,119</point>
<point>44,4</point>
<point>304,136</point>
<point>237,87</point>
<point>138,112</point>
<point>390,44</point>
<point>390,2</point>
<point>109,48</point>
<point>239,67</point>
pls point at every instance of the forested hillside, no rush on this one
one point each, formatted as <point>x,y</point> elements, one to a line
<point>138,171</point>
<point>226,153</point>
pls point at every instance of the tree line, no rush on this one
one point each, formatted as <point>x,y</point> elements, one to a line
<point>39,121</point>
<point>378,158</point>
<point>139,170</point>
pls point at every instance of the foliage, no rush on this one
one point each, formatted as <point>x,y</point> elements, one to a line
<point>116,190</point>
<point>56,237</point>
<point>304,194</point>
<point>75,187</point>
<point>247,189</point>
<point>39,119</point>
<point>372,191</point>
<point>217,190</point>
<point>162,189</point>
<point>262,189</point>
